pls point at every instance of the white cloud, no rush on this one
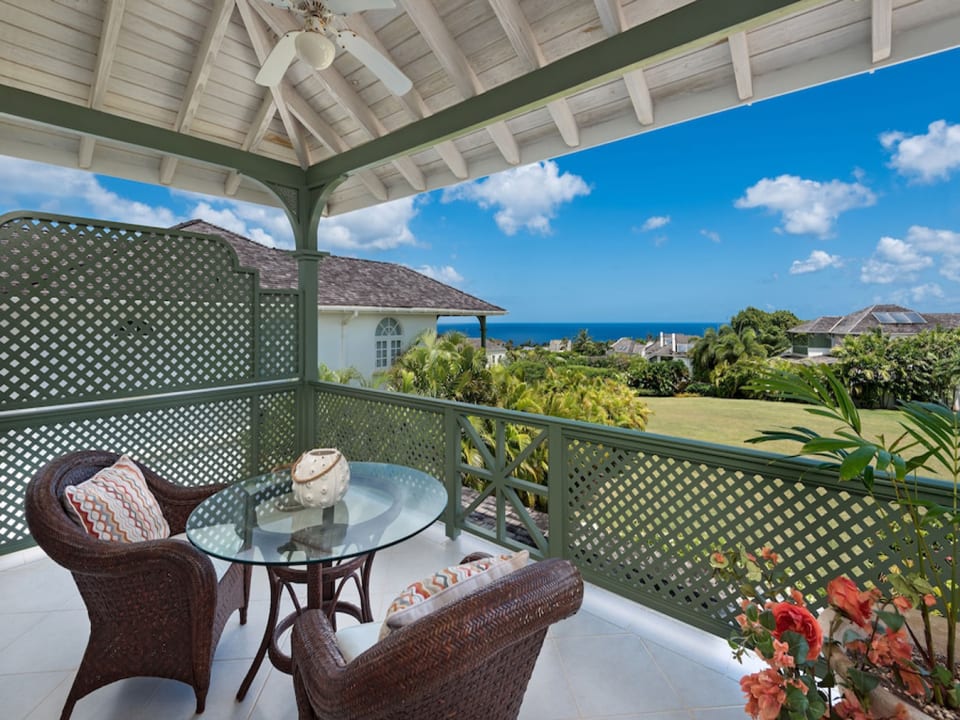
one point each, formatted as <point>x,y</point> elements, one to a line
<point>380,227</point>
<point>75,192</point>
<point>928,157</point>
<point>818,260</point>
<point>526,197</point>
<point>923,292</point>
<point>893,260</point>
<point>711,235</point>
<point>232,217</point>
<point>444,273</point>
<point>806,206</point>
<point>946,242</point>
<point>654,222</point>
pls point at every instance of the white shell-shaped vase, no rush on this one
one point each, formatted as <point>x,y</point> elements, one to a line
<point>320,477</point>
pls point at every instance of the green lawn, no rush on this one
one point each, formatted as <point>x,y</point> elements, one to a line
<point>730,422</point>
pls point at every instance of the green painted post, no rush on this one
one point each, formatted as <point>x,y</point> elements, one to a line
<point>451,437</point>
<point>308,262</point>
<point>556,489</point>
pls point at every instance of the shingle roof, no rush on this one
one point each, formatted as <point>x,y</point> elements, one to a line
<point>863,321</point>
<point>350,282</point>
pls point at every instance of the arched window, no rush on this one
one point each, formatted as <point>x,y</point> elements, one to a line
<point>389,342</point>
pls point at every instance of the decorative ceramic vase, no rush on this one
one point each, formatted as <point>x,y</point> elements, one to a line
<point>320,477</point>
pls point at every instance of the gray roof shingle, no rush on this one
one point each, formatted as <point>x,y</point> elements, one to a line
<point>349,282</point>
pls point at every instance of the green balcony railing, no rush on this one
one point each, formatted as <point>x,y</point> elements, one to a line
<point>638,513</point>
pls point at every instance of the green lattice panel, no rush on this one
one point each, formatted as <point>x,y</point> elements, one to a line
<point>277,426</point>
<point>377,431</point>
<point>644,524</point>
<point>93,311</point>
<point>194,444</point>
<point>279,348</point>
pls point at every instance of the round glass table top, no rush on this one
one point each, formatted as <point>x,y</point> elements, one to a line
<point>258,520</point>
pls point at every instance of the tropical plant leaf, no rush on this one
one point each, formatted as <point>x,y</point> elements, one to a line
<point>854,464</point>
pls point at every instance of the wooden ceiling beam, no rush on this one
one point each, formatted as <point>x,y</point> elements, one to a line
<point>740,55</point>
<point>524,42</point>
<point>280,22</point>
<point>203,64</point>
<point>614,22</point>
<point>261,47</point>
<point>255,133</point>
<point>413,100</point>
<point>640,97</point>
<point>611,16</point>
<point>327,135</point>
<point>881,21</point>
<point>451,58</point>
<point>106,52</point>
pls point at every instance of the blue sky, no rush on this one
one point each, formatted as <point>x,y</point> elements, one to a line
<point>820,202</point>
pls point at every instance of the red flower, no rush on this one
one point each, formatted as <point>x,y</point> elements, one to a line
<point>765,694</point>
<point>790,617</point>
<point>843,594</point>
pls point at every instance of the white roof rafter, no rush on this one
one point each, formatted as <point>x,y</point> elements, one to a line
<point>457,67</point>
<point>262,46</point>
<point>521,36</point>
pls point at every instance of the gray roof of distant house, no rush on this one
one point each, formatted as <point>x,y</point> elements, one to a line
<point>863,321</point>
<point>350,282</point>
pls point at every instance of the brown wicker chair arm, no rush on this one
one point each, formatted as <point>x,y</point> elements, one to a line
<point>177,501</point>
<point>167,556</point>
<point>420,659</point>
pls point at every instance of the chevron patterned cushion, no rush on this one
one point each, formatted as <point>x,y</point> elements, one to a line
<point>447,586</point>
<point>116,504</point>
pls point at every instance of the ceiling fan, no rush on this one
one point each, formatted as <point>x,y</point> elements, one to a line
<point>314,43</point>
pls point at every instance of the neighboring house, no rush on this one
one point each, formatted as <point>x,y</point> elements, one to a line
<point>670,346</point>
<point>820,336</point>
<point>370,312</point>
<point>496,351</point>
<point>560,345</point>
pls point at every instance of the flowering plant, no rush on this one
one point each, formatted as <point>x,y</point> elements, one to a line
<point>812,674</point>
<point>922,536</point>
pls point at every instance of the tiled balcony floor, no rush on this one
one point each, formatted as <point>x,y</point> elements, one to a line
<point>613,660</point>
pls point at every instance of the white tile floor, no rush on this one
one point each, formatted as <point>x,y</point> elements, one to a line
<point>613,660</point>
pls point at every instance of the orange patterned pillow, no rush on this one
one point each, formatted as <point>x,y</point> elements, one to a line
<point>447,586</point>
<point>116,504</point>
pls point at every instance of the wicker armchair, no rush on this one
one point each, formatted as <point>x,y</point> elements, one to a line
<point>155,607</point>
<point>471,660</point>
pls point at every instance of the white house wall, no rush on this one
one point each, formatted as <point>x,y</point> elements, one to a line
<point>345,340</point>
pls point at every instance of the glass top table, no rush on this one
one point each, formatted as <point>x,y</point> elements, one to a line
<point>259,522</point>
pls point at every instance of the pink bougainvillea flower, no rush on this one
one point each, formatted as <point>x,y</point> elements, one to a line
<point>929,600</point>
<point>843,594</point>
<point>902,604</point>
<point>781,656</point>
<point>790,617</point>
<point>768,554</point>
<point>719,561</point>
<point>765,693</point>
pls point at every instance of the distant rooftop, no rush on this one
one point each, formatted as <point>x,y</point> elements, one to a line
<point>891,319</point>
<point>351,282</point>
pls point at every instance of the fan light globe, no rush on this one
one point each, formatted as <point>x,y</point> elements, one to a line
<point>315,50</point>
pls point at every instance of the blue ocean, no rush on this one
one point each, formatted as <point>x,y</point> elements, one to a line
<point>542,333</point>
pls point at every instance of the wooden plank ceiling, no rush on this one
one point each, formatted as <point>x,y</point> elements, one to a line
<point>189,66</point>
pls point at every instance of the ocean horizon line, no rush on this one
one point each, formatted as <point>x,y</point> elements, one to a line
<point>540,333</point>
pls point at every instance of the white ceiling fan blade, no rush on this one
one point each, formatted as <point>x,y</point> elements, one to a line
<point>278,60</point>
<point>389,74</point>
<point>345,7</point>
